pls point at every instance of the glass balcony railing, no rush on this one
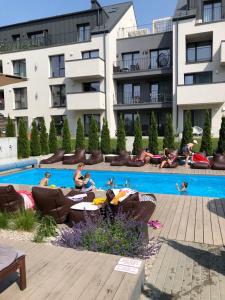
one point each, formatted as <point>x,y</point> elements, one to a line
<point>154,98</point>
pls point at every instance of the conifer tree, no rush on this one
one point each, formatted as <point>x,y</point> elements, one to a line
<point>138,143</point>
<point>168,141</point>
<point>35,147</point>
<point>121,135</point>
<point>66,137</point>
<point>188,131</point>
<point>10,128</point>
<point>221,142</point>
<point>153,135</point>
<point>52,139</point>
<point>105,138</point>
<point>23,142</point>
<point>80,140</point>
<point>206,145</point>
<point>93,142</point>
<point>44,138</point>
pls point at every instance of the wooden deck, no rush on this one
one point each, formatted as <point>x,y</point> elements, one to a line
<point>60,273</point>
<point>190,219</point>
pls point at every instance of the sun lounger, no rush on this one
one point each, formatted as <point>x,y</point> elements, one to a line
<point>57,157</point>
<point>10,200</point>
<point>76,158</point>
<point>122,159</point>
<point>95,158</point>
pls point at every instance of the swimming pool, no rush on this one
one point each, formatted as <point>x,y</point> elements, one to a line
<point>199,185</point>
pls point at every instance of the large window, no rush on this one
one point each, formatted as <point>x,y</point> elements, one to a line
<point>130,61</point>
<point>159,59</point>
<point>2,100</point>
<point>58,93</point>
<point>160,92</point>
<point>200,51</point>
<point>83,32</point>
<point>19,68</point>
<point>131,93</point>
<point>38,38</point>
<point>91,86</point>
<point>57,63</point>
<point>20,98</point>
<point>90,54</point>
<point>87,118</point>
<point>59,120</point>
<point>212,11</point>
<point>198,117</point>
<point>198,78</point>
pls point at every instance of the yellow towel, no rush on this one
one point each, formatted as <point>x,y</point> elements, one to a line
<point>116,199</point>
<point>99,201</point>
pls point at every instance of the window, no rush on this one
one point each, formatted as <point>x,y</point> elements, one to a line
<point>1,67</point>
<point>20,98</point>
<point>212,11</point>
<point>19,68</point>
<point>57,63</point>
<point>38,38</point>
<point>2,100</point>
<point>59,120</point>
<point>159,59</point>
<point>129,120</point>
<point>130,61</point>
<point>131,93</point>
<point>58,93</point>
<point>91,86</point>
<point>16,38</point>
<point>90,54</point>
<point>87,119</point>
<point>198,117</point>
<point>198,78</point>
<point>83,32</point>
<point>154,92</point>
<point>200,51</point>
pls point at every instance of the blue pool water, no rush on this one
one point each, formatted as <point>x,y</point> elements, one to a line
<point>199,185</point>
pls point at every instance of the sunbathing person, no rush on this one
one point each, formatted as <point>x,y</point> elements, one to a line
<point>78,177</point>
<point>167,160</point>
<point>88,183</point>
<point>44,181</point>
<point>144,156</point>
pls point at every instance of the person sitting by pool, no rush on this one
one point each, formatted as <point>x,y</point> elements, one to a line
<point>167,160</point>
<point>88,183</point>
<point>183,187</point>
<point>187,151</point>
<point>78,177</point>
<point>44,181</point>
<point>144,156</point>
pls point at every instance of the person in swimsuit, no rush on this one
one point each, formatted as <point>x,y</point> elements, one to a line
<point>44,181</point>
<point>167,161</point>
<point>88,183</point>
<point>187,151</point>
<point>183,187</point>
<point>78,178</point>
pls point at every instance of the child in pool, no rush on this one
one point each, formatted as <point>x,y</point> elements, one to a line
<point>183,187</point>
<point>44,181</point>
<point>88,183</point>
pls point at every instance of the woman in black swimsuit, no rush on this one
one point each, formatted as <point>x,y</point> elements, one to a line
<point>78,178</point>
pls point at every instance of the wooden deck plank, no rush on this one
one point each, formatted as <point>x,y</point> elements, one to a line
<point>176,221</point>
<point>207,225</point>
<point>199,236</point>
<point>190,234</point>
<point>221,217</point>
<point>187,279</point>
<point>217,238</point>
<point>205,280</point>
<point>181,234</point>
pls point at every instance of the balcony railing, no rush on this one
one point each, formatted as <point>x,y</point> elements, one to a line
<point>43,41</point>
<point>154,98</point>
<point>143,64</point>
<point>212,14</point>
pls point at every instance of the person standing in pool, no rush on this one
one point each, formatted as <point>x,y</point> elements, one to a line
<point>182,188</point>
<point>78,177</point>
<point>44,181</point>
<point>187,151</point>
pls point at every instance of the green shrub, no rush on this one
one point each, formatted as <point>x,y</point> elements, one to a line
<point>10,128</point>
<point>47,227</point>
<point>168,141</point>
<point>4,220</point>
<point>44,138</point>
<point>80,139</point>
<point>121,135</point>
<point>206,144</point>
<point>138,143</point>
<point>93,135</point>
<point>187,136</point>
<point>24,220</point>
<point>105,138</point>
<point>66,137</point>
<point>153,135</point>
<point>23,142</point>
<point>35,147</point>
<point>221,142</point>
<point>52,139</point>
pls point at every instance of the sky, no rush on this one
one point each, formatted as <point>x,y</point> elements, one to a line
<point>14,11</point>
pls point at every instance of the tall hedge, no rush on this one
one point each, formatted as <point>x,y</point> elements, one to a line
<point>138,142</point>
<point>93,141</point>
<point>153,135</point>
<point>168,141</point>
<point>105,138</point>
<point>35,147</point>
<point>66,137</point>
<point>206,144</point>
<point>52,139</point>
<point>121,135</point>
<point>221,142</point>
<point>44,138</point>
<point>10,128</point>
<point>80,140</point>
<point>187,136</point>
<point>23,142</point>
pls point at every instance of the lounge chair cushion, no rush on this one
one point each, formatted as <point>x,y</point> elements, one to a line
<point>7,256</point>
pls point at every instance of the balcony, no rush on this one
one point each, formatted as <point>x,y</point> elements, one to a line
<point>222,53</point>
<point>155,100</point>
<point>92,68</point>
<point>86,101</point>
<point>142,67</point>
<point>211,93</point>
